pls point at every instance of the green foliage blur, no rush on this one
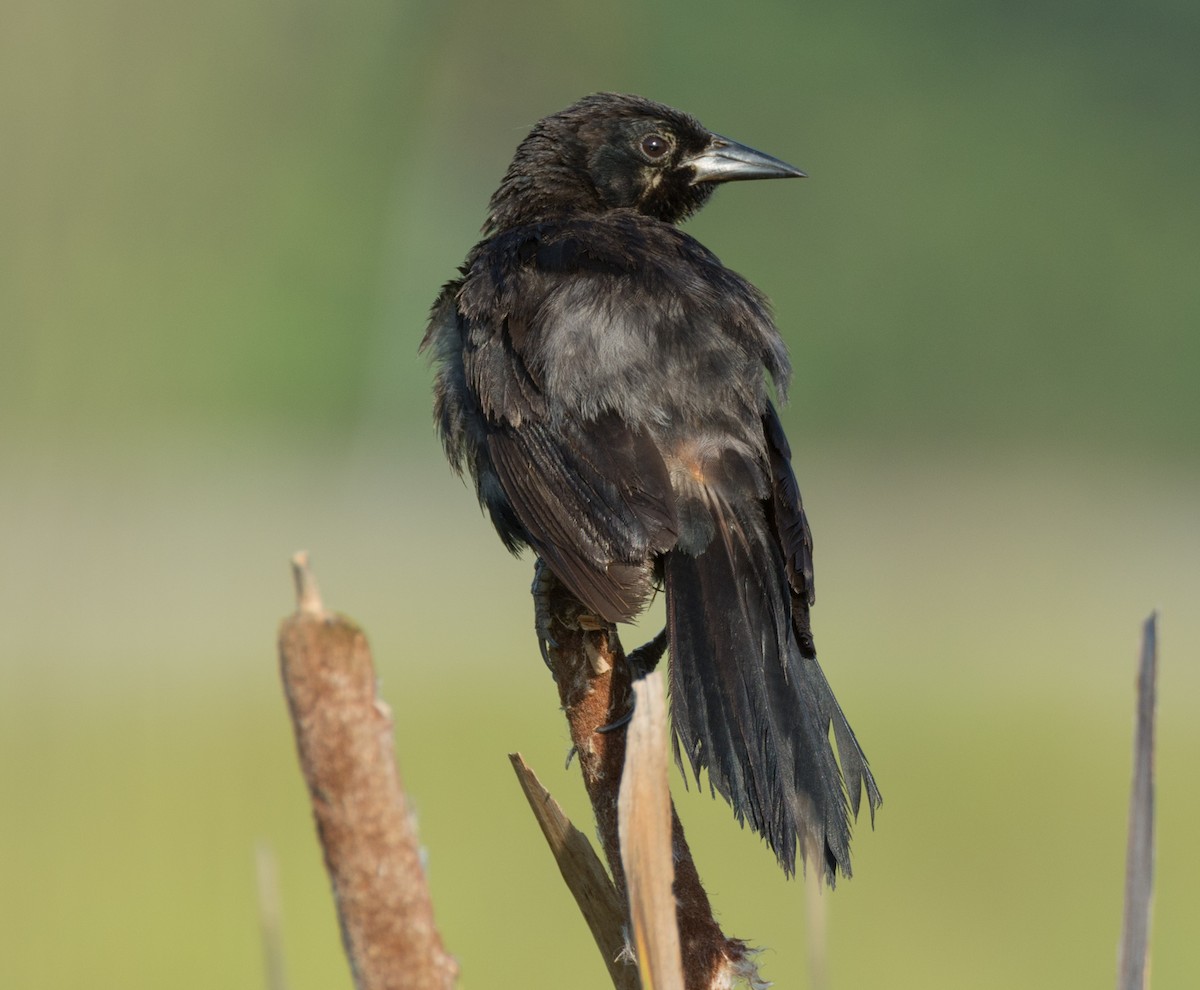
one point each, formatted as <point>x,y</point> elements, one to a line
<point>221,227</point>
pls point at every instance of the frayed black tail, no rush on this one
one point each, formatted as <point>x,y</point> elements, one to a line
<point>749,706</point>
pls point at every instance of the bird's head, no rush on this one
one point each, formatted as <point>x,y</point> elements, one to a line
<point>611,151</point>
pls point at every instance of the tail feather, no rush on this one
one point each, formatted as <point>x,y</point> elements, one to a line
<point>748,706</point>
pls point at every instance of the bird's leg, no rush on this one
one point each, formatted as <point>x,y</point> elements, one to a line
<point>577,617</point>
<point>645,658</point>
<point>641,661</point>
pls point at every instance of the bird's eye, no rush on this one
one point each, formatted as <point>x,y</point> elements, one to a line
<point>654,146</point>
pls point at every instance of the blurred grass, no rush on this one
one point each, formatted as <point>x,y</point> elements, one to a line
<point>220,228</point>
<point>968,616</point>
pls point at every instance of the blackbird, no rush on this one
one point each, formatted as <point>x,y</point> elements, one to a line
<point>604,379</point>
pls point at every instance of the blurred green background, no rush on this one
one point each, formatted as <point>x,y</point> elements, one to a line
<point>221,226</point>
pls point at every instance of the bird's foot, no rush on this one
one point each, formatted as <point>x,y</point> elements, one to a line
<point>641,662</point>
<point>543,581</point>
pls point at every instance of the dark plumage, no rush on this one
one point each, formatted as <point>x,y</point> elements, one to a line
<point>602,376</point>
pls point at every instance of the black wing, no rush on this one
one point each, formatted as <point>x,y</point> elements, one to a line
<point>594,500</point>
<point>589,492</point>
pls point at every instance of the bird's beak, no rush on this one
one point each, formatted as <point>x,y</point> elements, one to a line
<point>726,161</point>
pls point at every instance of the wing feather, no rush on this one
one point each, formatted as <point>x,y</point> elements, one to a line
<point>595,501</point>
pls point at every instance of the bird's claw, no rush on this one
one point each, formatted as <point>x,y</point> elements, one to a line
<point>546,643</point>
<point>618,723</point>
